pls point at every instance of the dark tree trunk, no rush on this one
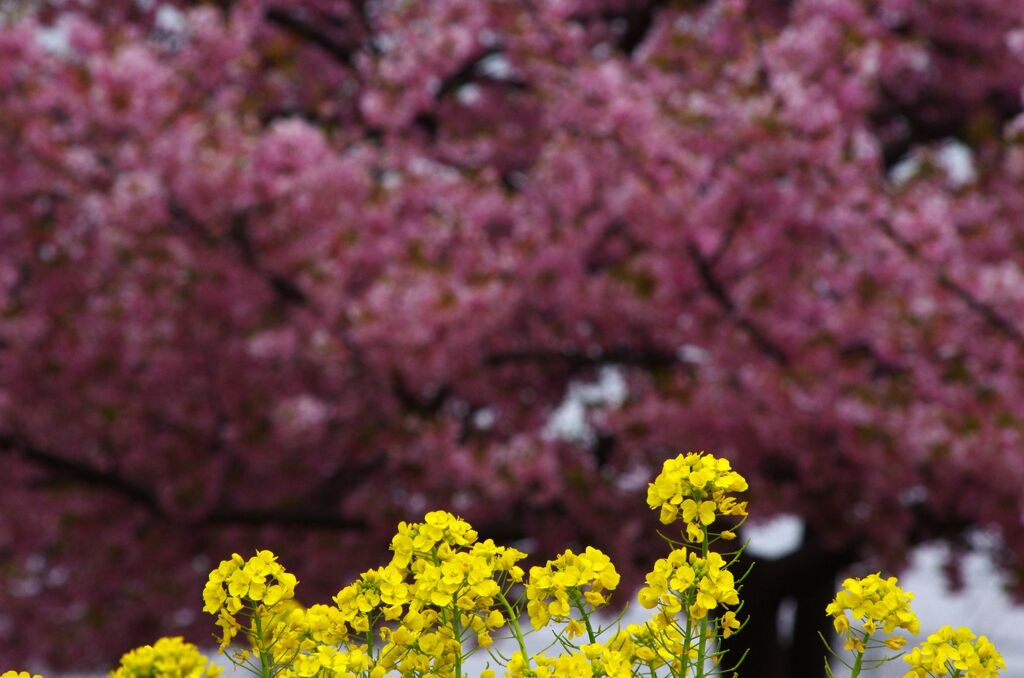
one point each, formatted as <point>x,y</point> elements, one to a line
<point>805,579</point>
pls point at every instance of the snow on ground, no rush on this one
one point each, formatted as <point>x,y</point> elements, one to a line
<point>982,605</point>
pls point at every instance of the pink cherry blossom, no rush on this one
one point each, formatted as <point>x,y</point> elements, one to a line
<point>280,274</point>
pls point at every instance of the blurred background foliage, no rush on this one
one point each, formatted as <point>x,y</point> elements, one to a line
<point>279,274</point>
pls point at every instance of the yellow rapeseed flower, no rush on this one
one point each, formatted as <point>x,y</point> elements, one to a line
<point>730,624</point>
<point>951,650</point>
<point>684,578</point>
<point>696,487</point>
<point>258,583</point>
<point>166,658</point>
<point>873,603</point>
<point>567,582</point>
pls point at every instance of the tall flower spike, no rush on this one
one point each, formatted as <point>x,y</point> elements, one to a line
<point>696,488</point>
<point>869,604</point>
<point>570,579</point>
<point>166,658</point>
<point>238,583</point>
<point>951,650</point>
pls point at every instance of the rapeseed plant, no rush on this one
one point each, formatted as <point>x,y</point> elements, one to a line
<point>864,607</point>
<point>445,593</point>
<point>167,658</point>
<point>954,652</point>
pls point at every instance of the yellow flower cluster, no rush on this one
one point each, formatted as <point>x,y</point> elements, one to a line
<point>287,629</point>
<point>19,674</point>
<point>379,592</point>
<point>238,583</point>
<point>413,637</point>
<point>454,584</point>
<point>594,659</point>
<point>321,624</point>
<point>875,603</point>
<point>167,658</point>
<point>424,644</point>
<point>954,651</point>
<point>653,644</point>
<point>695,487</point>
<point>330,661</point>
<point>699,584</point>
<point>410,616</point>
<point>442,587</point>
<point>563,584</point>
<point>439,529</point>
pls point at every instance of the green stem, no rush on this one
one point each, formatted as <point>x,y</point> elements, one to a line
<point>586,617</point>
<point>855,671</point>
<point>704,551</point>
<point>684,660</point>
<point>457,629</point>
<point>513,622</point>
<point>264,659</point>
<point>700,647</point>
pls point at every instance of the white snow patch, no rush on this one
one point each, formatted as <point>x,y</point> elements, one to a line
<point>774,539</point>
<point>569,421</point>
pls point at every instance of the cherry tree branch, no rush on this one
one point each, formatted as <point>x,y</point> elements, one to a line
<point>277,517</point>
<point>647,357</point>
<point>308,31</point>
<point>719,293</point>
<point>636,19</point>
<point>986,312</point>
<point>61,469</point>
<point>286,290</point>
